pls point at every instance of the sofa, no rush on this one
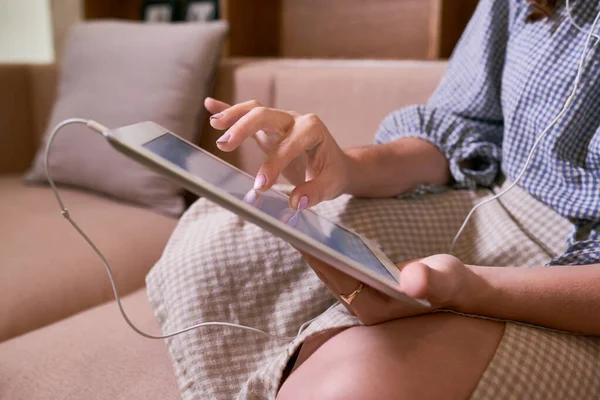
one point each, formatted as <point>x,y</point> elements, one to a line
<point>61,334</point>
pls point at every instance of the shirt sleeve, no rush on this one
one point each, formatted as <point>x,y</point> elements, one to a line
<point>583,252</point>
<point>463,118</point>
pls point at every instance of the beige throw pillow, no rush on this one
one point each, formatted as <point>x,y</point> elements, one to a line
<point>121,73</point>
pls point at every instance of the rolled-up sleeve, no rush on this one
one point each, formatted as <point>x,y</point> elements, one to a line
<point>463,118</point>
<point>583,252</point>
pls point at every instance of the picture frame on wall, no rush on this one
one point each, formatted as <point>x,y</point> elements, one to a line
<point>201,10</point>
<point>160,11</point>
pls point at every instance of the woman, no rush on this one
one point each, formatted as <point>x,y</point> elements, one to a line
<point>508,78</point>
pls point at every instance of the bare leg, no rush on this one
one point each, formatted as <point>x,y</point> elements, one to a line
<point>436,356</point>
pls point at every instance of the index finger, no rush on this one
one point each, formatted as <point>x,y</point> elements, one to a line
<point>215,106</point>
<point>257,119</point>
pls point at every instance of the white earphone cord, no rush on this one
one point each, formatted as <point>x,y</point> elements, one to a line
<point>565,108</point>
<point>576,25</point>
<point>65,213</point>
<point>101,129</point>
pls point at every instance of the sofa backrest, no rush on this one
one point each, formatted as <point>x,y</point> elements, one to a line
<point>351,97</point>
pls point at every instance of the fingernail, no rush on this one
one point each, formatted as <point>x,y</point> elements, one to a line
<point>260,181</point>
<point>250,197</point>
<point>224,138</point>
<point>294,220</point>
<point>217,116</point>
<point>303,203</point>
<point>286,215</point>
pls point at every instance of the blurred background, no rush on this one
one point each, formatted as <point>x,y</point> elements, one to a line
<point>33,31</point>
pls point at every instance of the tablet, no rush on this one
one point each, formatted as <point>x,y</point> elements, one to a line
<point>208,176</point>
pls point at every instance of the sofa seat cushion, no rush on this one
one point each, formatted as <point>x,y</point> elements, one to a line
<point>92,355</point>
<point>48,272</point>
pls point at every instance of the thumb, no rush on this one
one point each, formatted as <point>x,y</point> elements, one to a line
<point>420,281</point>
<point>415,280</point>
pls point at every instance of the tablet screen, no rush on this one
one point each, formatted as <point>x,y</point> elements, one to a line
<point>272,203</point>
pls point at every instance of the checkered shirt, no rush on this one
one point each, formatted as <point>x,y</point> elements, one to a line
<point>505,82</point>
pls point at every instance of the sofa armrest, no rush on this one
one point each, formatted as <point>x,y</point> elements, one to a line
<point>16,125</point>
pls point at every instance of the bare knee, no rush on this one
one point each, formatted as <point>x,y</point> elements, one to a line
<point>343,368</point>
<point>345,382</point>
<point>422,357</point>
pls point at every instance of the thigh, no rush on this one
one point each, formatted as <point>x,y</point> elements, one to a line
<point>428,357</point>
<point>534,363</point>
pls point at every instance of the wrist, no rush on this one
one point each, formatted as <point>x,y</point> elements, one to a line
<point>353,177</point>
<point>476,290</point>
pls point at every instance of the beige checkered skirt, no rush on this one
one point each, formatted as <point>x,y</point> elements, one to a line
<point>217,267</point>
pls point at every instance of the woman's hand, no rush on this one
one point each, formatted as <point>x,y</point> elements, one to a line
<point>297,146</point>
<point>440,279</point>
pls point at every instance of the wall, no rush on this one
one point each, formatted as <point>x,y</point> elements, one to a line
<point>356,29</point>
<point>26,31</point>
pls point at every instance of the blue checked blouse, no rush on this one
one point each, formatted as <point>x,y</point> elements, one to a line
<point>505,82</point>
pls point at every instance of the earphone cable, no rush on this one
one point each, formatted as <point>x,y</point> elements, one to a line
<point>65,213</point>
<point>575,24</point>
<point>562,112</point>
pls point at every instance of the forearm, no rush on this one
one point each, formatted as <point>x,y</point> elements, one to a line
<point>394,168</point>
<point>560,297</point>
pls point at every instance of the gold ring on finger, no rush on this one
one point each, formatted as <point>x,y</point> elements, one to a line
<point>349,298</point>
